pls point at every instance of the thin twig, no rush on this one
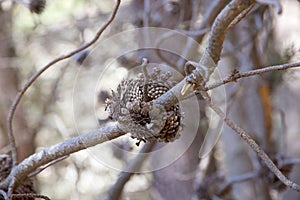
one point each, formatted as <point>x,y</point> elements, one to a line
<point>212,52</point>
<point>67,147</point>
<point>116,190</point>
<point>236,179</point>
<point>39,170</point>
<point>254,146</point>
<point>237,75</point>
<point>31,80</point>
<point>144,69</point>
<point>213,49</point>
<point>240,16</point>
<point>220,28</point>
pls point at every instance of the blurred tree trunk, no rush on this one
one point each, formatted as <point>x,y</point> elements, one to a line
<point>9,84</point>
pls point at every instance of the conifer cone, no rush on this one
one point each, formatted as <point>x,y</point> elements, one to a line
<point>131,105</point>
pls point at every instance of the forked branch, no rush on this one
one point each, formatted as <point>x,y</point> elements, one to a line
<point>254,146</point>
<point>237,75</point>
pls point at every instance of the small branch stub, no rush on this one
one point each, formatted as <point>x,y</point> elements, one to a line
<point>131,105</point>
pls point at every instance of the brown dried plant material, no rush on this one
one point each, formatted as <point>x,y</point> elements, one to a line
<point>25,187</point>
<point>131,105</point>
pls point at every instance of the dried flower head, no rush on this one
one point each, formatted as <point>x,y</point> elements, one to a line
<point>132,106</point>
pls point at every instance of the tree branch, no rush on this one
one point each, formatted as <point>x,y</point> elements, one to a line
<point>31,80</point>
<point>213,50</point>
<point>3,194</point>
<point>237,75</point>
<point>212,53</point>
<point>254,146</point>
<point>30,164</point>
<point>220,28</point>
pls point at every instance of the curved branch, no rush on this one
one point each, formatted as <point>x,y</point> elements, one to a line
<point>237,75</point>
<point>3,195</point>
<point>220,28</point>
<point>38,73</point>
<point>30,164</point>
<point>213,50</point>
<point>254,146</point>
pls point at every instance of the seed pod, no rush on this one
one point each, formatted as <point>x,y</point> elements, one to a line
<point>133,108</point>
